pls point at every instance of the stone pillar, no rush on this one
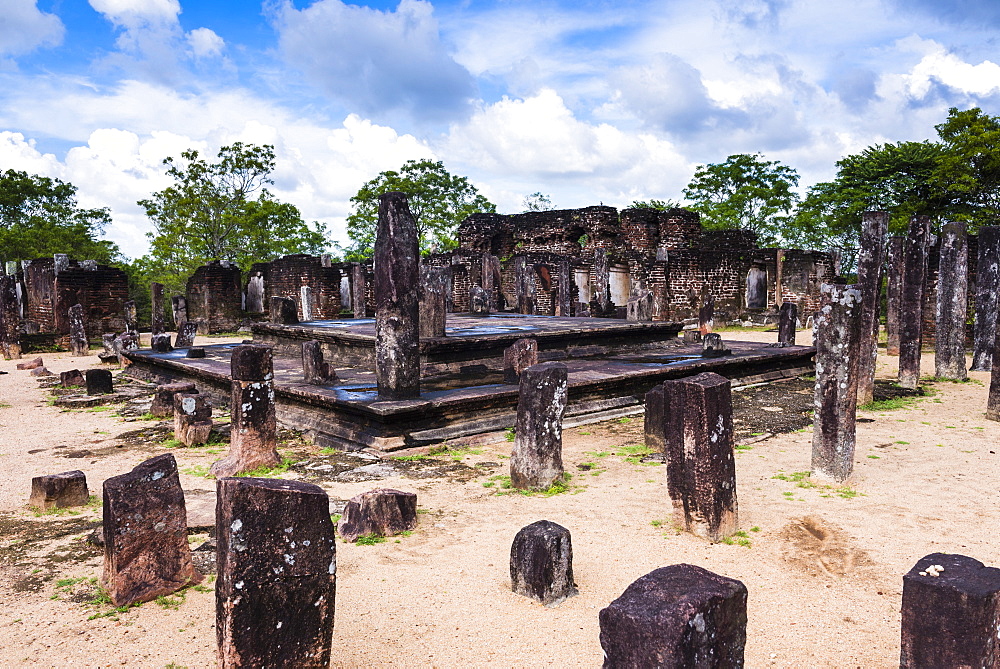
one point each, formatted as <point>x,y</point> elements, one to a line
<point>306,302</point>
<point>601,276</point>
<point>156,297</point>
<point>479,301</point>
<point>640,306</point>
<point>911,301</point>
<point>59,491</point>
<point>383,513</point>
<point>536,459</point>
<point>433,301</point>
<point>893,289</point>
<point>987,289</point>
<point>836,331</point>
<point>10,319</point>
<point>316,371</point>
<point>712,346</point>
<point>78,343</point>
<point>701,466</point>
<point>192,419</point>
<point>952,303</point>
<point>874,228</point>
<point>186,333</point>
<point>564,294</point>
<point>99,382</point>
<point>524,286</point>
<point>274,603</point>
<point>160,343</point>
<point>397,305</point>
<point>146,552</point>
<point>358,289</point>
<point>283,311</point>
<point>491,280</point>
<point>541,563</point>
<point>677,616</point>
<point>993,399</point>
<point>60,263</point>
<point>788,318</point>
<point>255,293</point>
<point>72,379</point>
<point>131,317</point>
<point>253,442</point>
<point>518,357</point>
<point>654,419</point>
<point>178,305</point>
<point>706,312</point>
<point>951,607</point>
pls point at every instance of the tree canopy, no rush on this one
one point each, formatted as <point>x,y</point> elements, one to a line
<point>662,205</point>
<point>537,201</point>
<point>438,200</point>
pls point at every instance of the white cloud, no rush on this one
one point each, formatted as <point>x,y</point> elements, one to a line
<point>23,27</point>
<point>948,69</point>
<point>132,14</point>
<point>204,43</point>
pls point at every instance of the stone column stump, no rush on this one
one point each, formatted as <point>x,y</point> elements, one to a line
<point>654,419</point>
<point>163,397</point>
<point>316,371</point>
<point>479,301</point>
<point>253,439</point>
<point>192,418</point>
<point>186,333</point>
<point>712,346</point>
<point>517,357</point>
<point>433,301</point>
<point>160,343</point>
<point>99,382</point>
<point>536,459</point>
<point>283,311</point>
<point>383,512</point>
<point>541,563</point>
<point>788,318</point>
<point>59,491</point>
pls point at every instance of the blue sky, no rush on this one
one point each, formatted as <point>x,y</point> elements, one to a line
<point>586,101</point>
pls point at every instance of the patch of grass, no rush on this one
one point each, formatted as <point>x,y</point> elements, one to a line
<point>742,448</point>
<point>509,434</point>
<point>197,470</point>
<point>738,538</point>
<point>584,434</point>
<point>370,540</point>
<point>328,451</point>
<point>598,454</point>
<point>890,404</point>
<point>634,453</point>
<point>874,457</point>
<point>504,486</point>
<point>269,472</point>
<point>656,523</point>
<point>624,420</point>
<point>147,416</point>
<point>406,533</point>
<point>905,443</point>
<point>172,602</point>
<point>335,518</point>
<point>410,458</point>
<point>171,443</point>
<point>755,528</point>
<point>4,405</point>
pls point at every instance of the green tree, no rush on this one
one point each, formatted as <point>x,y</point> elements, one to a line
<point>747,192</point>
<point>222,211</point>
<point>39,216</point>
<point>438,200</point>
<point>662,205</point>
<point>537,201</point>
<point>968,171</point>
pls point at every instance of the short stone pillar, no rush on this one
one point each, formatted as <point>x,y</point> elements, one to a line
<point>712,346</point>
<point>836,334</point>
<point>893,288</point>
<point>987,289</point>
<point>192,419</point>
<point>706,312</point>
<point>160,343</point>
<point>99,382</point>
<point>131,317</point>
<point>871,251</point>
<point>677,616</point>
<point>518,357</point>
<point>254,302</point>
<point>433,301</point>
<point>186,333</point>
<point>59,491</point>
<point>146,552</point>
<point>479,301</point>
<point>283,311</point>
<point>788,318</point>
<point>10,319</point>
<point>698,443</point>
<point>601,279</point>
<point>156,308</point>
<point>951,606</point>
<point>178,308</point>
<point>952,303</point>
<point>911,301</point>
<point>277,562</point>
<point>541,563</point>
<point>397,307</point>
<point>306,303</point>
<point>640,306</point>
<point>536,459</point>
<point>195,352</point>
<point>315,370</point>
<point>72,379</point>
<point>163,397</point>
<point>358,285</point>
<point>253,439</point>
<point>691,336</point>
<point>383,513</point>
<point>78,343</point>
<point>491,281</point>
<point>654,418</point>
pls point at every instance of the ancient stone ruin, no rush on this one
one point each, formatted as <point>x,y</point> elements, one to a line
<point>541,563</point>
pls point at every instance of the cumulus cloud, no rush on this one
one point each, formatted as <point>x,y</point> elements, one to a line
<point>376,62</point>
<point>946,68</point>
<point>23,28</point>
<point>132,14</point>
<point>205,43</point>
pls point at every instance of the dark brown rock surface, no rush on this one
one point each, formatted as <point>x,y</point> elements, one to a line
<point>536,459</point>
<point>59,490</point>
<point>383,512</point>
<point>541,563</point>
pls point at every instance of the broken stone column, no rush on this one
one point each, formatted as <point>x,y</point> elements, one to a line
<point>987,289</point>
<point>536,459</point>
<point>640,306</point>
<point>253,440</point>
<point>788,318</point>
<point>59,491</point>
<point>951,607</point>
<point>564,294</point>
<point>874,228</point>
<point>186,333</point>
<point>433,301</point>
<point>283,311</point>
<point>654,418</point>
<point>701,466</point>
<point>131,317</point>
<point>160,343</point>
<point>277,561</point>
<point>306,301</point>
<point>156,299</point>
<point>178,307</point>
<point>358,289</point>
<point>712,346</point>
<point>397,307</point>
<point>99,382</point>
<point>479,301</point>
<point>163,397</point>
<point>31,364</point>
<point>911,301</point>
<point>524,286</point>
<point>836,333</point>
<point>541,563</point>
<point>10,319</point>
<point>72,379</point>
<point>706,312</point>
<point>192,419</point>
<point>676,616</point>
<point>146,552</point>
<point>315,370</point>
<point>78,343</point>
<point>952,303</point>
<point>383,513</point>
<point>518,357</point>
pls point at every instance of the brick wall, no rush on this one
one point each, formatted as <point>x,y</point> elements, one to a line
<point>215,297</point>
<point>102,291</point>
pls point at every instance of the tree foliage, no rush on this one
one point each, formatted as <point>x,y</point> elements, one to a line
<point>662,205</point>
<point>537,201</point>
<point>39,217</point>
<point>438,200</point>
<point>222,210</point>
<point>968,170</point>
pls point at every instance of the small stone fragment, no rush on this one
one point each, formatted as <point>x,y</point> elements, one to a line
<point>517,357</point>
<point>541,563</point>
<point>99,382</point>
<point>713,347</point>
<point>59,491</point>
<point>383,512</point>
<point>163,397</point>
<point>31,364</point>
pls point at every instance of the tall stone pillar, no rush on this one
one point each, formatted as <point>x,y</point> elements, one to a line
<point>911,301</point>
<point>131,317</point>
<point>524,286</point>
<point>78,342</point>
<point>564,299</point>
<point>987,290</point>
<point>491,280</point>
<point>788,318</point>
<point>397,305</point>
<point>10,319</point>
<point>893,288</point>
<point>433,301</point>
<point>306,302</point>
<point>993,399</point>
<point>358,285</point>
<point>706,312</point>
<point>536,459</point>
<point>836,335</point>
<point>178,306</point>
<point>156,297</point>
<point>952,303</point>
<point>601,276</point>
<point>874,228</point>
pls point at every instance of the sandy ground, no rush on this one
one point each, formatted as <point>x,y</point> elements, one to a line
<point>824,566</point>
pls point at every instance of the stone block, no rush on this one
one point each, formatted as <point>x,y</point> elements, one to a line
<point>315,370</point>
<point>640,306</point>
<point>59,491</point>
<point>156,308</point>
<point>536,459</point>
<point>99,382</point>
<point>40,371</point>
<point>72,378</point>
<point>31,364</point>
<point>383,512</point>
<point>195,352</point>
<point>192,418</point>
<point>160,343</point>
<point>283,311</point>
<point>517,357</point>
<point>712,346</point>
<point>691,336</point>
<point>163,397</point>
<point>541,563</point>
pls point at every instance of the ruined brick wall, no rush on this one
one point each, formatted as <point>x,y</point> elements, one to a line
<point>39,285</point>
<point>101,290</point>
<point>215,298</point>
<point>285,277</point>
<point>802,273</point>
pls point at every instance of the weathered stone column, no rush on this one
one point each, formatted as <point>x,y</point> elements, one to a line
<point>358,290</point>
<point>987,289</point>
<point>911,301</point>
<point>186,333</point>
<point>698,442</point>
<point>131,317</point>
<point>306,303</point>
<point>640,306</point>
<point>253,441</point>
<point>951,607</point>
<point>524,286</point>
<point>283,311</point>
<point>601,277</point>
<point>993,399</point>
<point>10,319</point>
<point>315,370</point>
<point>564,301</point>
<point>654,420</point>
<point>192,419</point>
<point>491,280</point>
<point>536,459</point>
<point>178,307</point>
<point>836,333</point>
<point>433,301</point>
<point>479,301</point>
<point>518,357</point>
<point>59,491</point>
<point>706,312</point>
<point>541,563</point>
<point>277,561</point>
<point>146,552</point>
<point>99,382</point>
<point>397,307</point>
<point>156,297</point>
<point>893,289</point>
<point>382,512</point>
<point>78,343</point>
<point>788,318</point>
<point>874,227</point>
<point>952,303</point>
<point>678,616</point>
